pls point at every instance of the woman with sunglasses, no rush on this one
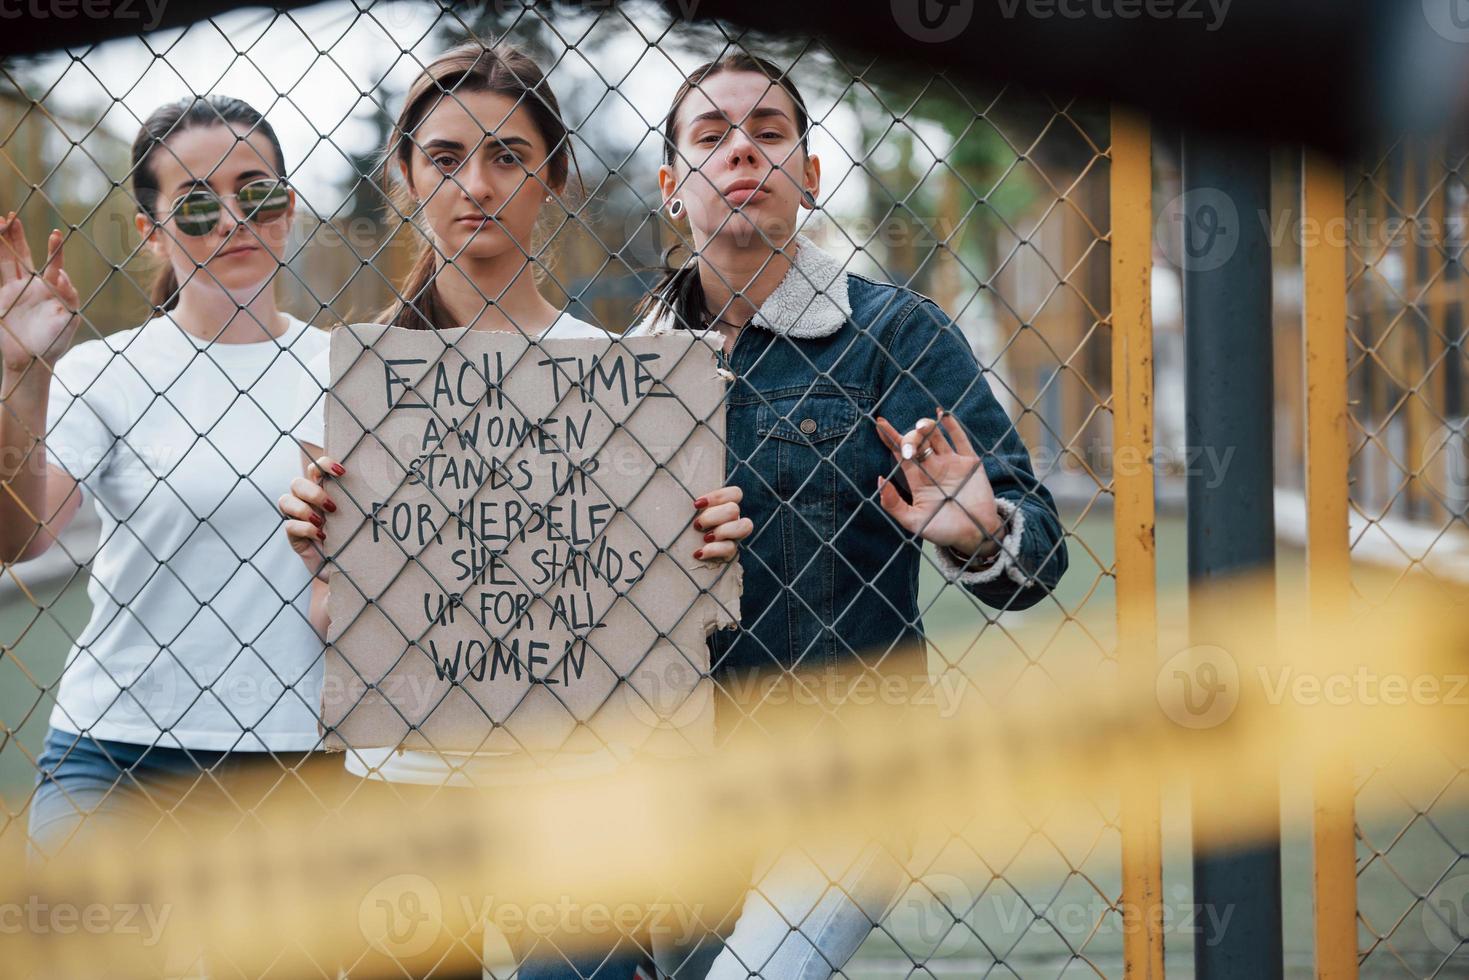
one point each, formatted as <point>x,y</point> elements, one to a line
<point>199,660</point>
<point>861,429</point>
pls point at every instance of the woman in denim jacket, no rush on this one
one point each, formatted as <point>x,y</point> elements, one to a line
<point>859,426</point>
<point>859,423</point>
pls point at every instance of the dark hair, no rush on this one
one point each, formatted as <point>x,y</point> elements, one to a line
<point>677,287</point>
<point>500,68</point>
<point>190,112</point>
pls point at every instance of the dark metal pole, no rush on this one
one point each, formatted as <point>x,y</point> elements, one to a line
<point>1231,528</point>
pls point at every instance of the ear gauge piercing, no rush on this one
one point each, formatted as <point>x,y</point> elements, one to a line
<point>810,198</point>
<point>675,207</point>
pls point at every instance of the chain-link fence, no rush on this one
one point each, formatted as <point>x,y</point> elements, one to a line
<point>1025,219</point>
<point>1405,352</point>
<point>992,203</point>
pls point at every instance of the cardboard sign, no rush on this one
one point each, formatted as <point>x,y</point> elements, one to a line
<point>513,546</point>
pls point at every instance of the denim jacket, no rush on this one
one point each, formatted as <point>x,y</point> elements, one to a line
<point>828,575</point>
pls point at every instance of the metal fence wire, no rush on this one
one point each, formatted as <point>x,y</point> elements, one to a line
<point>991,203</point>
<point>997,205</point>
<point>1408,461</point>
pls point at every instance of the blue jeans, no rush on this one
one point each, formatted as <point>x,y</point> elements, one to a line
<point>546,962</point>
<point>86,783</point>
<point>641,956</point>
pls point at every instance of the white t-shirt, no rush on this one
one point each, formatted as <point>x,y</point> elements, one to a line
<point>199,636</point>
<point>423,766</point>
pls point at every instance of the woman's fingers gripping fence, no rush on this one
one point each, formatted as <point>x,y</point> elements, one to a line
<point>895,442</point>
<point>956,432</point>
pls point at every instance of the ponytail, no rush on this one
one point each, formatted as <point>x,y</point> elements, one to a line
<point>164,294</point>
<point>418,306</point>
<point>677,290</point>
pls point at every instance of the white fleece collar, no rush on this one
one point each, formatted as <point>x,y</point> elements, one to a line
<point>811,301</point>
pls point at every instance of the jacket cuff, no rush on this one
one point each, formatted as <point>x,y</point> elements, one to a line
<point>1004,561</point>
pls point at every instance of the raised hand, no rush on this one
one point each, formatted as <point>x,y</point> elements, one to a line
<point>37,308</point>
<point>953,503</point>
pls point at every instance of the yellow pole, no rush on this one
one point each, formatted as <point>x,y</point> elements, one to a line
<point>1324,308</point>
<point>1132,484</point>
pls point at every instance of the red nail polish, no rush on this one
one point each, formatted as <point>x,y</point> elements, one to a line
<point>338,469</point>
<point>701,503</point>
<point>316,519</point>
<point>331,508</point>
<point>709,537</point>
<point>699,554</point>
<point>321,535</point>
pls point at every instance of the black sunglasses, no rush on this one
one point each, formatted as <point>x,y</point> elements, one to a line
<point>197,213</point>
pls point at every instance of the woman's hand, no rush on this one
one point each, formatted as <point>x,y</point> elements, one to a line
<point>953,503</point>
<point>724,528</point>
<point>306,508</point>
<point>37,309</point>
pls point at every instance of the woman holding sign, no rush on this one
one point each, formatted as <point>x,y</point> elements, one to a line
<point>480,150</point>
<point>481,155</point>
<point>859,427</point>
<point>199,659</point>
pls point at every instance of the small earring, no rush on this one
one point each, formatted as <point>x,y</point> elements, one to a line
<point>675,207</point>
<point>548,198</point>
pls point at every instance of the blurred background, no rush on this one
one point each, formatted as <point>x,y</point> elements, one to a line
<point>994,201</point>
